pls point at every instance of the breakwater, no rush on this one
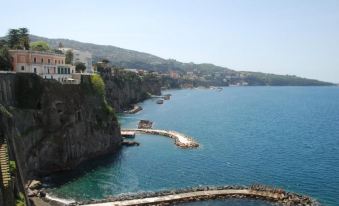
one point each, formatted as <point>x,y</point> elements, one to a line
<point>205,193</point>
<point>181,140</point>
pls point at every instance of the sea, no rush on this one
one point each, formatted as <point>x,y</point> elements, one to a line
<point>285,137</point>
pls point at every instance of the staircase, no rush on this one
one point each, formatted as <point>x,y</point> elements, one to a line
<point>4,164</point>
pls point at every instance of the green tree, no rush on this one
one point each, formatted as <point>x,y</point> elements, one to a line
<point>5,59</point>
<point>69,57</point>
<point>105,61</point>
<point>18,38</point>
<point>40,46</point>
<point>23,38</point>
<point>80,67</point>
<point>13,38</point>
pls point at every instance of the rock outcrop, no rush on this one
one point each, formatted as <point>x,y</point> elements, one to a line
<point>54,127</point>
<point>123,88</point>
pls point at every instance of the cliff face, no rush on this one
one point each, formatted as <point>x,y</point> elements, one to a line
<point>126,88</point>
<point>54,127</point>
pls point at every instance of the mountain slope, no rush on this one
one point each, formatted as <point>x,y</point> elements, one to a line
<point>129,58</point>
<point>133,59</point>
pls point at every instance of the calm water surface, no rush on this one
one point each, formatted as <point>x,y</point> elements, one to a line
<point>282,136</point>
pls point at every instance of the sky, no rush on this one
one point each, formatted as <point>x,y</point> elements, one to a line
<point>275,36</point>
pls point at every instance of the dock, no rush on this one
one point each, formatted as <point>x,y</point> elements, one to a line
<point>128,134</point>
<point>181,140</point>
<point>168,198</point>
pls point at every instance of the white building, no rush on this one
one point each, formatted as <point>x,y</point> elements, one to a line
<point>81,56</point>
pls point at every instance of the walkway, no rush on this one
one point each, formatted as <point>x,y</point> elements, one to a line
<point>288,199</point>
<point>4,163</point>
<point>181,140</point>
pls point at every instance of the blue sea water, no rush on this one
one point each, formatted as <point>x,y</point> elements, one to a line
<point>281,136</point>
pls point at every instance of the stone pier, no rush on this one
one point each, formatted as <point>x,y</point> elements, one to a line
<point>181,140</point>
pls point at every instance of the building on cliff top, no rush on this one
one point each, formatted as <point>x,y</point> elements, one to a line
<point>81,56</point>
<point>48,65</point>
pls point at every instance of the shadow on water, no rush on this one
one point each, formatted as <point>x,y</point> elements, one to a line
<point>61,178</point>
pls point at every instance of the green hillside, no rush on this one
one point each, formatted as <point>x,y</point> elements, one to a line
<point>133,59</point>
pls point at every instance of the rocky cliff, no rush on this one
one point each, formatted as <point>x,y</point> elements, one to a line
<point>124,88</point>
<point>54,127</point>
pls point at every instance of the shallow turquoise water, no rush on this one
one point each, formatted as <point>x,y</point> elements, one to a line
<point>282,136</point>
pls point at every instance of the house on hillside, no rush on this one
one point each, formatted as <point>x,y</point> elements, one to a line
<point>48,65</point>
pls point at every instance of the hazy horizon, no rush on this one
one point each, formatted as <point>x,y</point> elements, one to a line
<point>281,37</point>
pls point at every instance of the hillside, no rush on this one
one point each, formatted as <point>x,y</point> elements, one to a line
<point>128,58</point>
<point>133,59</point>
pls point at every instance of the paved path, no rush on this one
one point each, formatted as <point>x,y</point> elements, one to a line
<point>181,140</point>
<point>188,195</point>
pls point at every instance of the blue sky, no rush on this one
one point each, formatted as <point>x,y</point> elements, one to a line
<point>284,37</point>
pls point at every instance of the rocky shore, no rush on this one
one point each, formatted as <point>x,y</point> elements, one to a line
<point>206,193</point>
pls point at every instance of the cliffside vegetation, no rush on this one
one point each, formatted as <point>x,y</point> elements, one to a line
<point>99,87</point>
<point>4,111</point>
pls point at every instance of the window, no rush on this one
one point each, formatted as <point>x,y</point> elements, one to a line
<point>55,61</point>
<point>34,70</point>
<point>49,61</point>
<point>68,70</point>
<point>62,70</point>
<point>22,68</point>
<point>42,60</point>
<point>62,62</point>
<point>34,60</point>
<point>58,70</point>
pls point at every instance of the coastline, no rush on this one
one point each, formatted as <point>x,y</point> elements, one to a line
<point>200,196</point>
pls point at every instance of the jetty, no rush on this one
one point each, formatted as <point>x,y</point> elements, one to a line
<point>135,109</point>
<point>181,140</point>
<point>205,193</point>
<point>128,134</point>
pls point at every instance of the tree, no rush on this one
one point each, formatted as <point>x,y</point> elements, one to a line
<point>23,38</point>
<point>40,46</point>
<point>80,67</point>
<point>13,38</point>
<point>18,38</point>
<point>69,57</point>
<point>61,45</point>
<point>5,59</point>
<point>105,61</point>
